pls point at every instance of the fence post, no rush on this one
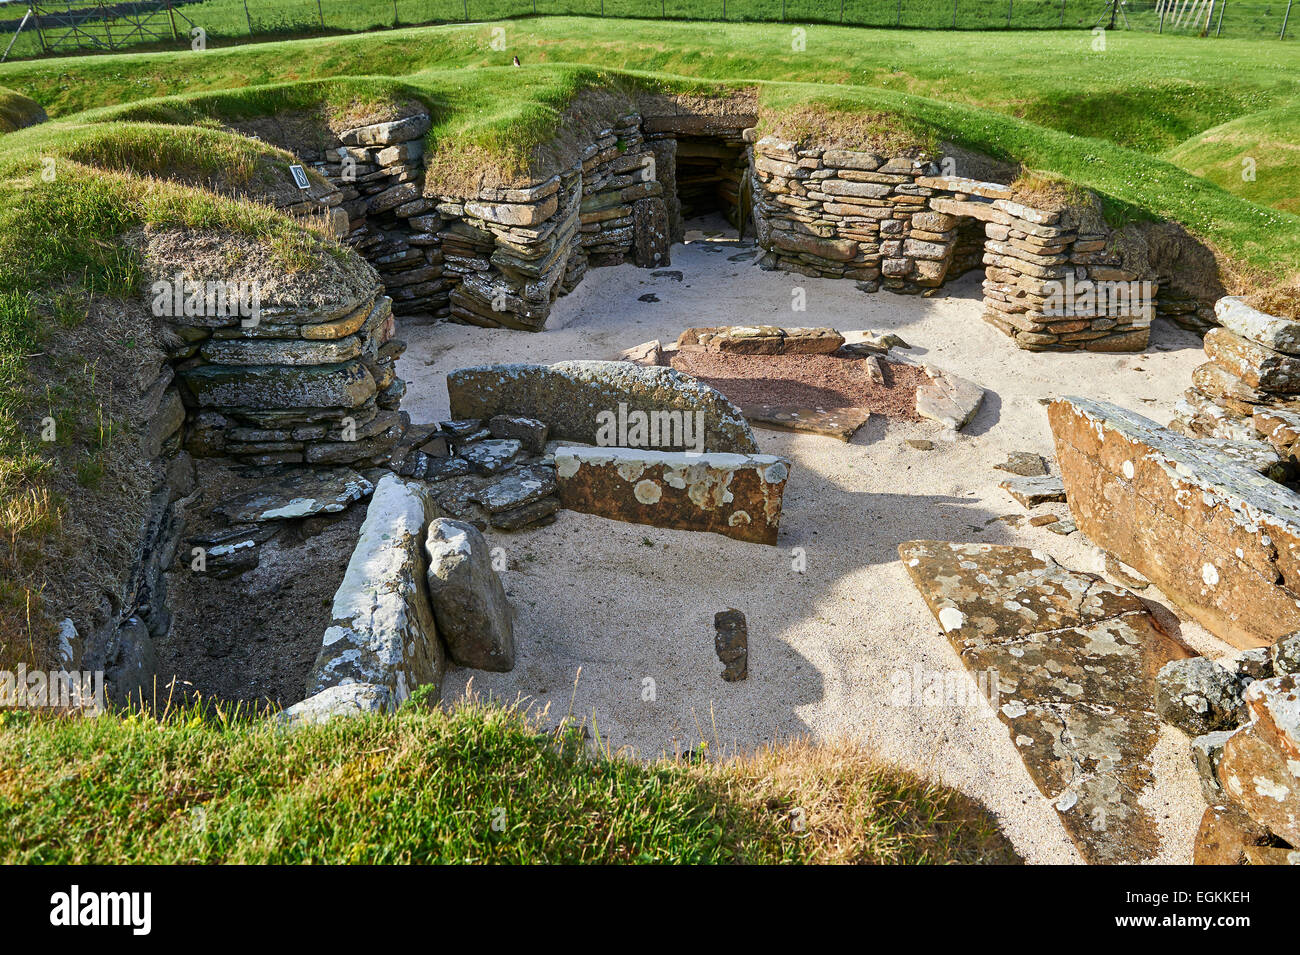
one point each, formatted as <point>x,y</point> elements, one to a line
<point>1285,17</point>
<point>249,17</point>
<point>898,17</point>
<point>396,18</point>
<point>1010,6</point>
<point>171,15</point>
<point>466,10</point>
<point>1163,7</point>
<point>321,11</point>
<point>1219,30</point>
<point>841,10</point>
<point>1062,23</point>
<point>954,14</point>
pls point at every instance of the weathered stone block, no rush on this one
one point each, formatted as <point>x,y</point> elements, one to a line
<point>584,400</point>
<point>738,495</point>
<point>469,603</point>
<point>1220,540</point>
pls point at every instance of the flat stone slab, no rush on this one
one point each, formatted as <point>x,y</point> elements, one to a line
<point>382,630</point>
<point>1034,490</point>
<point>737,495</point>
<point>590,401</point>
<point>946,398</point>
<point>761,340</point>
<point>839,423</point>
<point>1075,660</point>
<point>297,493</point>
<point>1219,539</point>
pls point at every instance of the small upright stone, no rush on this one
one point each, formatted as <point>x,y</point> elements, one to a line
<point>731,642</point>
<point>468,600</point>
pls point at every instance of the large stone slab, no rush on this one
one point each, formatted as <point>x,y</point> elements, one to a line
<point>295,493</point>
<point>382,629</point>
<point>1075,660</point>
<point>578,399</point>
<point>1219,539</point>
<point>738,495</point>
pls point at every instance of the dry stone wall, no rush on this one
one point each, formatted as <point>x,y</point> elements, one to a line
<point>1053,277</point>
<point>891,222</point>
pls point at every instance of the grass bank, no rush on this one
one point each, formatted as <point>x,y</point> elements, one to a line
<point>478,784</point>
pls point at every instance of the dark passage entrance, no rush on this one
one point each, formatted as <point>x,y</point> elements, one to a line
<point>710,173</point>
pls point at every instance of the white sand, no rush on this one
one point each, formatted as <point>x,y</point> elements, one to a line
<point>629,604</point>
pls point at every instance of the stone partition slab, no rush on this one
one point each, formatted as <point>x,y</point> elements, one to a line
<point>737,495</point>
<point>578,401</point>
<point>383,631</point>
<point>1219,539</point>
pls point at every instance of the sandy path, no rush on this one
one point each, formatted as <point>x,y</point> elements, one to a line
<point>629,603</point>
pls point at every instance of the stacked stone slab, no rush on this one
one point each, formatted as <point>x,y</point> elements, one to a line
<point>1248,393</point>
<point>299,386</point>
<point>844,214</point>
<point>1042,275</point>
<point>379,170</point>
<point>501,257</point>
<point>890,222</point>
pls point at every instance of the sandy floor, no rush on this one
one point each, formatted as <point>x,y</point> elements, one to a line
<point>633,606</point>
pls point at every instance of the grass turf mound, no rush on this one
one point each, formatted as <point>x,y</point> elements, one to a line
<point>476,784</point>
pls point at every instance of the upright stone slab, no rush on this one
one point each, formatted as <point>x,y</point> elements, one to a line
<point>1216,537</point>
<point>650,238</point>
<point>738,495</point>
<point>382,630</point>
<point>1075,660</point>
<point>576,400</point>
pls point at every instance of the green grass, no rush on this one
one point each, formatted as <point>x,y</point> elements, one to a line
<point>18,111</point>
<point>474,785</point>
<point>1100,119</point>
<point>234,21</point>
<point>1256,157</point>
<point>68,194</point>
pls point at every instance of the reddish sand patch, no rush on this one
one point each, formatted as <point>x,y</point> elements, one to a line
<point>806,381</point>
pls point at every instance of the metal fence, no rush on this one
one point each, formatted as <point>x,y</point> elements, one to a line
<point>81,25</point>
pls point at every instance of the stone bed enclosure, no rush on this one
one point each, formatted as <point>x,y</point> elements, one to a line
<point>310,395</point>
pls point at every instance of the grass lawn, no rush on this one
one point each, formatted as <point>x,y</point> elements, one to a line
<point>477,784</point>
<point>237,21</point>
